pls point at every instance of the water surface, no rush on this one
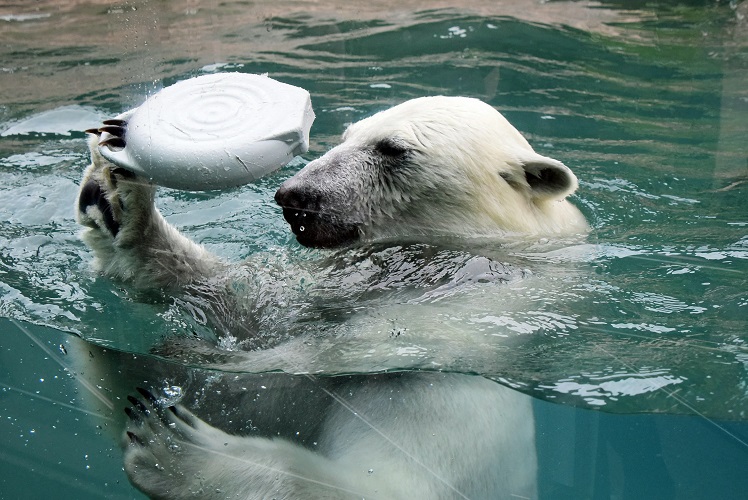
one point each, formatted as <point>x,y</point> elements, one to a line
<point>646,105</point>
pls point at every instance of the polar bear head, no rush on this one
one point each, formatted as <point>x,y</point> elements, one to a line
<point>430,166</point>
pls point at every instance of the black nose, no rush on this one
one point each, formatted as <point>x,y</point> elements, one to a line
<point>300,207</point>
<point>307,211</point>
<point>286,196</point>
<point>291,195</point>
<point>295,194</point>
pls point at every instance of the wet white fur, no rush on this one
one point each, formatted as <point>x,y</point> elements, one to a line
<point>467,174</point>
<point>467,143</point>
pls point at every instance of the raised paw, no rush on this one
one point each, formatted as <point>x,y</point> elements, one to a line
<point>95,207</point>
<point>111,198</point>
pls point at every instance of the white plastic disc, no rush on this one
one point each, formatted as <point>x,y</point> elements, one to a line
<point>214,131</point>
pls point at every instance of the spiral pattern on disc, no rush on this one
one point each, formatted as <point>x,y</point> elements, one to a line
<point>212,113</point>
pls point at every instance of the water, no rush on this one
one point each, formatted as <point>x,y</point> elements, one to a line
<point>633,344</point>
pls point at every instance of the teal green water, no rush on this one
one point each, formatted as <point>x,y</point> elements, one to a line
<point>648,322</point>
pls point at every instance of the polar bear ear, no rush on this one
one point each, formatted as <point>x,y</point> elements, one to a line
<point>548,178</point>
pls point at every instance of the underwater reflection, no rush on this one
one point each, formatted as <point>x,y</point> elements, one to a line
<point>397,435</point>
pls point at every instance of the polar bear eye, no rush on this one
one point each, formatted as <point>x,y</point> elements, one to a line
<point>392,148</point>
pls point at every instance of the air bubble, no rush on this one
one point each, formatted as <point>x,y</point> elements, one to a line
<point>301,228</point>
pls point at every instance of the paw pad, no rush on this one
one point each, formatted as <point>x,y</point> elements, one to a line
<point>92,202</point>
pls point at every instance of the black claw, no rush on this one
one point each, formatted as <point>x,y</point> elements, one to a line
<point>94,131</point>
<point>137,404</point>
<point>134,439</point>
<point>147,395</point>
<point>114,142</point>
<point>115,130</point>
<point>132,415</point>
<point>115,121</point>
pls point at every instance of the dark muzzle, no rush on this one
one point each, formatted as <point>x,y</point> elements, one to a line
<point>313,225</point>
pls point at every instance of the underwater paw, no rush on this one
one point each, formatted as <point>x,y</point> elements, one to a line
<point>146,422</point>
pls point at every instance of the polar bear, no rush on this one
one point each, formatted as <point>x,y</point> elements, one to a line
<point>429,168</point>
<point>432,166</point>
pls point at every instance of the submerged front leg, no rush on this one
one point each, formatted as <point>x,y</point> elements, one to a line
<point>171,453</point>
<point>130,239</point>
